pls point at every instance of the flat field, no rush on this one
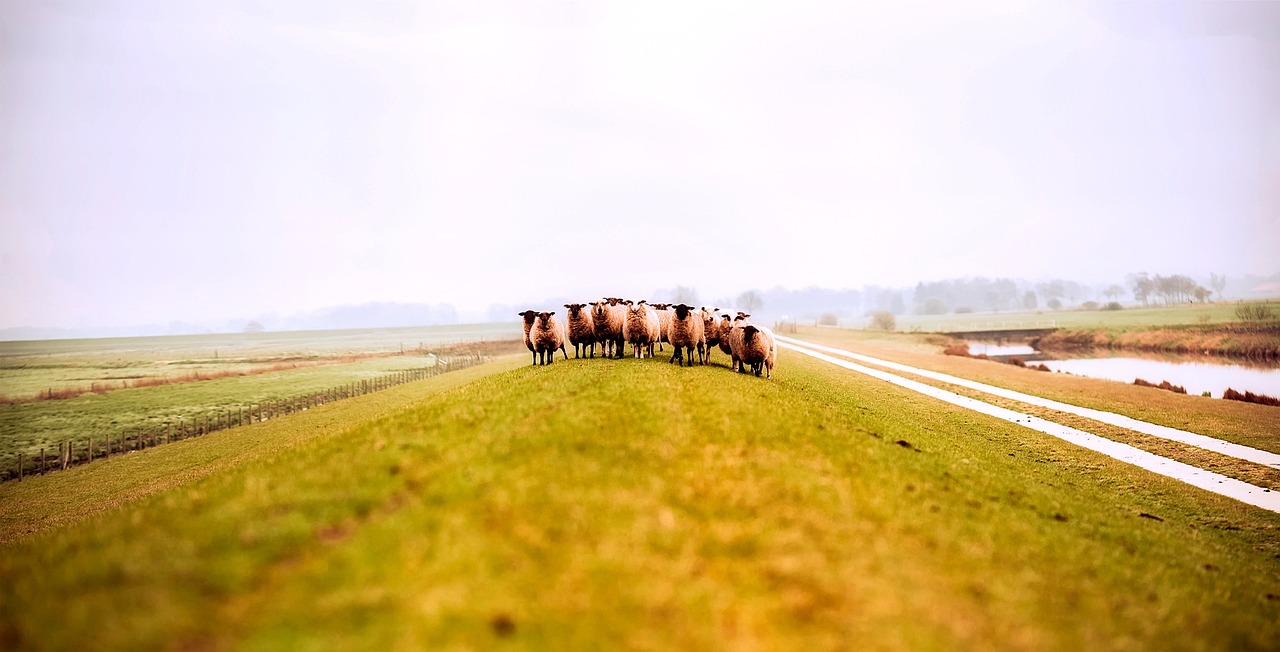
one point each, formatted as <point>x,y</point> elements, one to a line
<point>183,379</point>
<point>1212,313</point>
<point>632,504</point>
<point>30,368</point>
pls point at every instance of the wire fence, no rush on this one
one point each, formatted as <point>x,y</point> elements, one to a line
<point>93,448</point>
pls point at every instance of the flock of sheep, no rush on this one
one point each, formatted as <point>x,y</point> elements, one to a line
<point>612,323</point>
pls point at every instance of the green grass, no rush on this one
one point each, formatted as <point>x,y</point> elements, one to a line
<point>1135,317</point>
<point>27,427</point>
<point>28,368</point>
<point>631,504</point>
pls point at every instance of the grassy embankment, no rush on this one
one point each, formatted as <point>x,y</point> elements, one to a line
<point>1252,425</point>
<point>1135,317</point>
<point>609,504</point>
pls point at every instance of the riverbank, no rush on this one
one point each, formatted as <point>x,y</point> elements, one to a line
<point>1260,341</point>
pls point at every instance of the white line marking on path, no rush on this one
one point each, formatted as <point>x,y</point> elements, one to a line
<point>1247,453</point>
<point>1207,480</point>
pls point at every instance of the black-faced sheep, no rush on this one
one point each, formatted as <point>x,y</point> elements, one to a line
<point>641,328</point>
<point>529,317</point>
<point>710,329</point>
<point>547,336</point>
<point>726,327</point>
<point>758,349</point>
<point>687,334</point>
<point>582,330</point>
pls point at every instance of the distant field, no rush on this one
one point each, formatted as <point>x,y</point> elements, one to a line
<point>635,505</point>
<point>282,365</point>
<point>1213,313</point>
<point>28,368</point>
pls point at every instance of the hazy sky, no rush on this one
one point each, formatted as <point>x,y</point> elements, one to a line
<point>185,160</point>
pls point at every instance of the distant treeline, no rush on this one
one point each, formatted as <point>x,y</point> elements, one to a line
<point>978,294</point>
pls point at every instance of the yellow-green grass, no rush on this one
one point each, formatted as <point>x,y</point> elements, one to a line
<point>636,505</point>
<point>1133,317</point>
<point>28,427</point>
<point>1235,421</point>
<point>44,502</point>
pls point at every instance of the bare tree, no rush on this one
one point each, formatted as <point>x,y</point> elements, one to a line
<point>682,294</point>
<point>750,301</point>
<point>1218,282</point>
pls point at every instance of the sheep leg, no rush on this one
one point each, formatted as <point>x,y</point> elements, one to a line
<point>535,358</point>
<point>566,353</point>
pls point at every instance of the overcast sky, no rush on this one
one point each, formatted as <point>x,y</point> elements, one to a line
<point>185,161</point>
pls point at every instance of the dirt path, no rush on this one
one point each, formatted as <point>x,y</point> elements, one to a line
<point>1207,480</point>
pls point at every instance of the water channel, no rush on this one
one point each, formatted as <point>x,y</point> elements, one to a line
<point>1197,374</point>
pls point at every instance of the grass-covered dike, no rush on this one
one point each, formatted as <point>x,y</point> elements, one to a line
<point>633,504</point>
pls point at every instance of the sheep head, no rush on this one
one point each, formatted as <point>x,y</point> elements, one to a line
<point>528,315</point>
<point>682,311</point>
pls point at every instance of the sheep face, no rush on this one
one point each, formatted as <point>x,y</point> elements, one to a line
<point>529,316</point>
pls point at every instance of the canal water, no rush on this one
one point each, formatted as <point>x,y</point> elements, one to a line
<point>1198,375</point>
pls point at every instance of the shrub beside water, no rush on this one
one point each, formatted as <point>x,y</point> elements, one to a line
<point>1250,397</point>
<point>1164,384</point>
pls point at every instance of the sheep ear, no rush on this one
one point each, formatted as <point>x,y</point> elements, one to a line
<point>551,313</point>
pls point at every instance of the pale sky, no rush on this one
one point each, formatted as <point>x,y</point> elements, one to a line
<point>190,161</point>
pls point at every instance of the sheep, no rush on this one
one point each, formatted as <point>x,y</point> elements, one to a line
<point>529,317</point>
<point>735,340</point>
<point>687,334</point>
<point>547,336</point>
<point>759,349</point>
<point>608,328</point>
<point>664,322</point>
<point>726,326</point>
<point>582,330</point>
<point>617,317</point>
<point>641,328</point>
<point>710,329</point>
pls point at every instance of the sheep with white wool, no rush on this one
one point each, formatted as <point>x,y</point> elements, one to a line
<point>609,316</point>
<point>687,334</point>
<point>641,328</point>
<point>665,313</point>
<point>582,330</point>
<point>547,335</point>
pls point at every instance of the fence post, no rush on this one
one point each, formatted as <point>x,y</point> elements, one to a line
<point>42,460</point>
<point>63,455</point>
<point>168,433</point>
<point>91,449</point>
<point>19,467</point>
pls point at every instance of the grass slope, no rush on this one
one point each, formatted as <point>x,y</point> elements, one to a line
<point>631,504</point>
<point>1132,317</point>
